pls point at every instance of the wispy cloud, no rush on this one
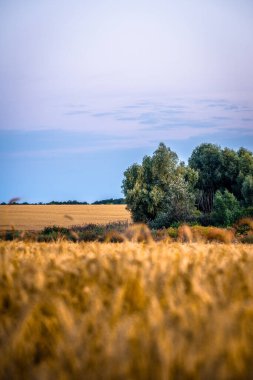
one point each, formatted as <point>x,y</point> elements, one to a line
<point>102,114</point>
<point>221,118</point>
<point>126,125</point>
<point>78,112</point>
<point>210,114</point>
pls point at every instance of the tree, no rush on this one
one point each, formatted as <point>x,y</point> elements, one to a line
<point>178,205</point>
<point>156,191</point>
<point>230,171</point>
<point>162,190</point>
<point>245,169</point>
<point>207,160</point>
<point>226,208</point>
<point>247,190</point>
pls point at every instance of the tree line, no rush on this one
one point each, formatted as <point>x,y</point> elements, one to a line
<point>110,201</point>
<point>216,187</point>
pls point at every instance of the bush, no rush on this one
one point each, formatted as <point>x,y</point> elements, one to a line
<point>172,232</point>
<point>247,239</point>
<point>247,212</point>
<point>10,235</point>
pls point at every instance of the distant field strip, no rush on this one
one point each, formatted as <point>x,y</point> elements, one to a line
<point>36,217</point>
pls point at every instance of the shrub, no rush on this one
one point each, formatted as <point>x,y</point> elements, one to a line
<point>247,239</point>
<point>172,232</point>
<point>10,235</point>
<point>247,212</point>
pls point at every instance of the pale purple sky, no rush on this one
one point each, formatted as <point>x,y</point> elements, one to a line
<point>84,79</point>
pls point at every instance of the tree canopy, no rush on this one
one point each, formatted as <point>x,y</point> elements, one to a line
<point>157,191</point>
<point>161,190</point>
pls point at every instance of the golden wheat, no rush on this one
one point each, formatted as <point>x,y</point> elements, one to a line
<point>36,217</point>
<point>126,311</point>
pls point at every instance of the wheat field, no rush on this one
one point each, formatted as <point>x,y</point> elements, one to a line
<point>126,311</point>
<point>36,217</point>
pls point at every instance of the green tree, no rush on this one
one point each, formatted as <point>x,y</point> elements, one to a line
<point>226,209</point>
<point>178,205</point>
<point>247,190</point>
<point>135,193</point>
<point>245,169</point>
<point>207,160</point>
<point>156,191</point>
<point>230,171</point>
<point>190,175</point>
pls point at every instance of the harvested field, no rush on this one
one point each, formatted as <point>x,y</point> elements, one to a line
<point>126,311</point>
<point>36,217</point>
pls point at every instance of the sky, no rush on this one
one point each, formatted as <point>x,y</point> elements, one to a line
<point>88,87</point>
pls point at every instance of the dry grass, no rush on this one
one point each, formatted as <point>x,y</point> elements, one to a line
<point>126,311</point>
<point>39,216</point>
<point>205,234</point>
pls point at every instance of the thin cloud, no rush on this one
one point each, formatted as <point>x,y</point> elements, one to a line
<point>102,114</point>
<point>120,124</point>
<point>221,118</point>
<point>210,114</point>
<point>78,112</point>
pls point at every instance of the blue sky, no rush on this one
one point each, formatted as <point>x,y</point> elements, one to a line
<point>89,87</point>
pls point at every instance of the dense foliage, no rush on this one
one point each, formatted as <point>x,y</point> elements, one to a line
<point>215,188</point>
<point>110,201</point>
<point>159,191</point>
<point>222,169</point>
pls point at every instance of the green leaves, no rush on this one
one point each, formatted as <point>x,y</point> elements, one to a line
<point>247,190</point>
<point>226,209</point>
<point>157,191</point>
<point>207,160</point>
<point>220,169</point>
<point>161,191</point>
